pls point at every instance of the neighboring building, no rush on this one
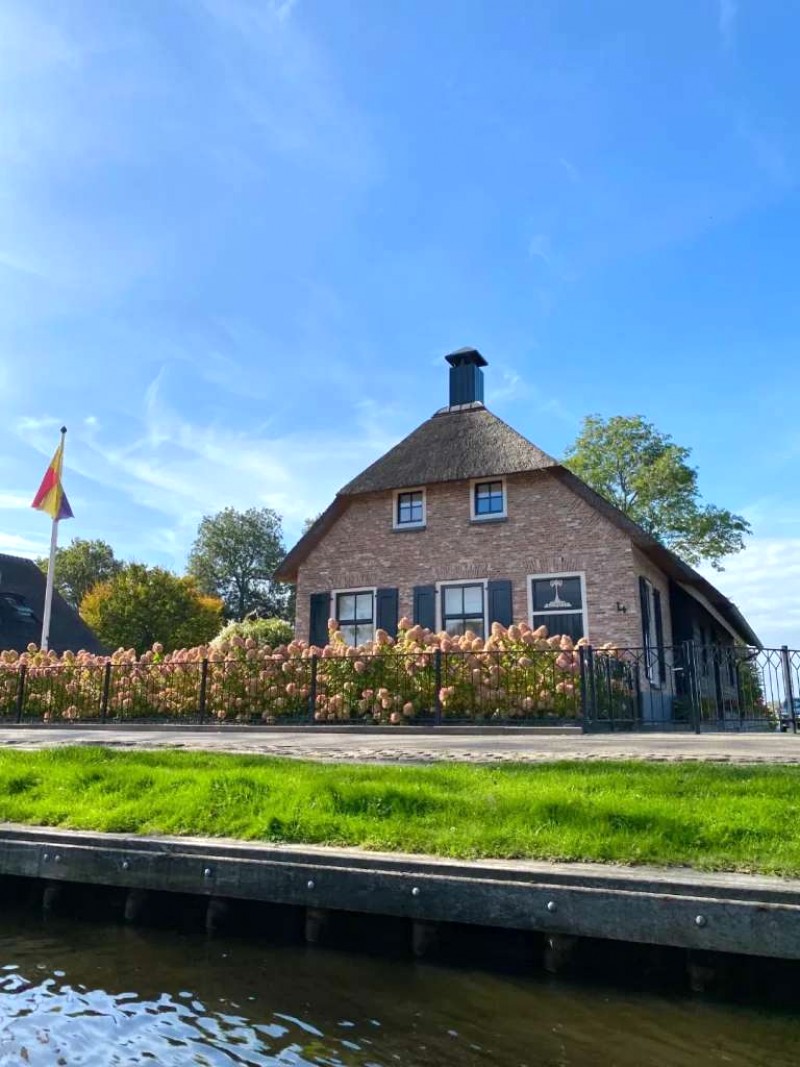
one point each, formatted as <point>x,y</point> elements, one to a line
<point>465,523</point>
<point>22,587</point>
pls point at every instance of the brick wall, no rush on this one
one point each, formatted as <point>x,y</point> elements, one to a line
<point>549,529</point>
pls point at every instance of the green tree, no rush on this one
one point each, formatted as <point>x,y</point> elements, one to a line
<point>81,565</point>
<point>141,605</point>
<point>234,556</point>
<point>648,477</point>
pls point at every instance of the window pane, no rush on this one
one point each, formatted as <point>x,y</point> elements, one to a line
<point>455,627</point>
<point>364,633</point>
<point>346,607</point>
<point>488,498</point>
<point>475,626</point>
<point>569,623</point>
<point>349,634</point>
<point>473,600</point>
<point>364,606</point>
<point>557,594</point>
<point>453,600</point>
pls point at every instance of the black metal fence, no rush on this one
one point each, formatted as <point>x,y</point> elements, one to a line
<point>685,687</point>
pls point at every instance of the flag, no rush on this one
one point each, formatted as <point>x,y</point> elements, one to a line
<point>51,497</point>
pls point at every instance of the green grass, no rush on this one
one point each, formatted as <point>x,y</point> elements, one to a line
<point>707,816</point>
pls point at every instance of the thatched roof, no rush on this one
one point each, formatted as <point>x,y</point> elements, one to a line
<point>457,443</point>
<point>22,587</point>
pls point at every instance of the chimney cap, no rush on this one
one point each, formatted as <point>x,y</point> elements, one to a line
<point>464,356</point>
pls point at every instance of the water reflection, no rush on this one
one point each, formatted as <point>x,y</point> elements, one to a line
<point>97,994</point>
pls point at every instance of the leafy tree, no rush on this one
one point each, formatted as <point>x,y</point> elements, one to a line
<point>80,566</point>
<point>141,605</point>
<point>234,556</point>
<point>648,477</point>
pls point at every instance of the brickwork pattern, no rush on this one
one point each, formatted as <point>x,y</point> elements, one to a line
<point>549,529</point>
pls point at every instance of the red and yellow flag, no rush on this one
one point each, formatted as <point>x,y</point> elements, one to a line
<point>51,497</point>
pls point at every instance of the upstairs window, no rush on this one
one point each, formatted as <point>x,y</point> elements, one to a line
<point>489,499</point>
<point>409,509</point>
<point>355,613</point>
<point>558,602</point>
<point>463,609</point>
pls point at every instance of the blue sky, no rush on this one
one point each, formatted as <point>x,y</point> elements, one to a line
<point>238,236</point>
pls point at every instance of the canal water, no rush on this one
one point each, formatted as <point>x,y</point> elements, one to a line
<point>95,993</point>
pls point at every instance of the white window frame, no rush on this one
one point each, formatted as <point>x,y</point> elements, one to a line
<point>560,574</point>
<point>332,614</point>
<point>492,516</point>
<point>396,525</point>
<point>441,586</point>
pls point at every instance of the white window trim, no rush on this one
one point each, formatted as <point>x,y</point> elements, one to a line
<point>356,589</point>
<point>409,525</point>
<point>462,581</point>
<point>494,515</point>
<point>560,574</point>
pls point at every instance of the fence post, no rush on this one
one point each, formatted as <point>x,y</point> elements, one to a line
<point>21,691</point>
<point>312,692</point>
<point>104,695</point>
<point>584,694</point>
<point>787,685</point>
<point>202,697</point>
<point>437,686</point>
<point>592,694</point>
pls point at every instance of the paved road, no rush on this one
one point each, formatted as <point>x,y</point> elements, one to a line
<point>423,747</point>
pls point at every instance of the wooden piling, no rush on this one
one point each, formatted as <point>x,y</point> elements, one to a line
<point>217,915</point>
<point>559,952</point>
<point>317,921</point>
<point>424,938</point>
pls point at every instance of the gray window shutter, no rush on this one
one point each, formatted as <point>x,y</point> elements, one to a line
<point>500,602</point>
<point>318,619</point>
<point>386,608</point>
<point>425,606</point>
<point>646,637</point>
<point>659,631</point>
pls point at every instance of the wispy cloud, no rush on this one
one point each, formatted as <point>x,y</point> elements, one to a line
<point>14,501</point>
<point>727,12</point>
<point>16,545</point>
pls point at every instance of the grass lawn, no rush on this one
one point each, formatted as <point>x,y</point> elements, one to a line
<point>714,817</point>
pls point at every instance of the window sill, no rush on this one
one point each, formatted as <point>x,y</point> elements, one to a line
<point>489,520</point>
<point>415,528</point>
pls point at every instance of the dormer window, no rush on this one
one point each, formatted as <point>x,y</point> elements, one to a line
<point>488,500</point>
<point>409,509</point>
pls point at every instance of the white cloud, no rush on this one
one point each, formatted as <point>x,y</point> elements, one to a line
<point>764,583</point>
<point>16,545</point>
<point>13,501</point>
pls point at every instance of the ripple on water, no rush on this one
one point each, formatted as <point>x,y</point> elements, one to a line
<point>97,994</point>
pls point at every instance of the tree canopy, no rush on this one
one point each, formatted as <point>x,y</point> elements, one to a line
<point>80,565</point>
<point>648,477</point>
<point>234,556</point>
<point>142,605</point>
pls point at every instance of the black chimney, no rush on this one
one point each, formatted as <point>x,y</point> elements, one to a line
<point>466,376</point>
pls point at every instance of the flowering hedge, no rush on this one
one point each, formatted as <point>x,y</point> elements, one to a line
<point>517,672</point>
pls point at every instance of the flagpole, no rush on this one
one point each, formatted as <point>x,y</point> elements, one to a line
<point>51,570</point>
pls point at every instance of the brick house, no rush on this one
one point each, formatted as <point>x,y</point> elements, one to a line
<point>465,523</point>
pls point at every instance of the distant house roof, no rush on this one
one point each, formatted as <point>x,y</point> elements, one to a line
<point>22,587</point>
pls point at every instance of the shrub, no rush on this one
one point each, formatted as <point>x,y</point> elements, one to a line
<point>515,673</point>
<point>264,631</point>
